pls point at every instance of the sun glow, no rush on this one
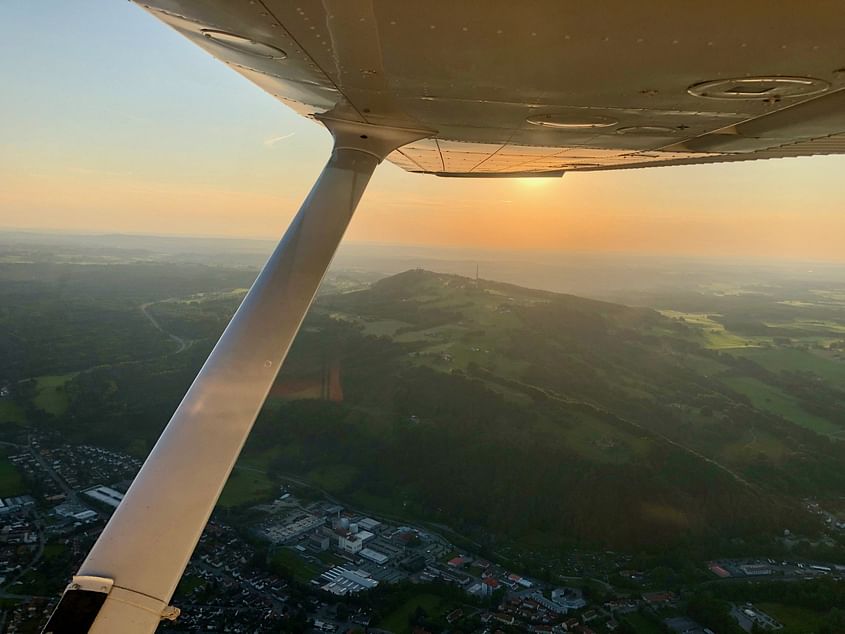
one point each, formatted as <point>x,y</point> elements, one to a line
<point>535,182</point>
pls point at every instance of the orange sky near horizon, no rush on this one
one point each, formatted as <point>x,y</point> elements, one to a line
<point>697,210</point>
<point>117,125</point>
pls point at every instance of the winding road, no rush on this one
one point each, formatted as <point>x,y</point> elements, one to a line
<point>182,344</point>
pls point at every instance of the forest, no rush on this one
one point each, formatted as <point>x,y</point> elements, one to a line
<point>516,416</point>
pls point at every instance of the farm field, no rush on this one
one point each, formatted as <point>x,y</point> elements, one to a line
<point>398,620</point>
<point>11,412</point>
<point>713,334</point>
<point>11,482</point>
<point>246,487</point>
<point>796,620</point>
<point>50,393</point>
<point>788,359</point>
<point>290,562</point>
<point>773,400</point>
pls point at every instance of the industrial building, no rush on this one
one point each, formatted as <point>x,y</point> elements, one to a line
<point>342,581</point>
<point>106,495</point>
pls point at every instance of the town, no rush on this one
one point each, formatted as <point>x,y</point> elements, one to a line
<point>302,562</point>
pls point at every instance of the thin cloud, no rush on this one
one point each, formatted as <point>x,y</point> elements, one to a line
<point>271,142</point>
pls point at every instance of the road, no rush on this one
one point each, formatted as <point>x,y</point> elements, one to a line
<point>182,344</point>
<point>70,495</point>
<point>39,552</point>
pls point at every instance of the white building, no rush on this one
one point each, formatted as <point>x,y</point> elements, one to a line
<point>280,534</point>
<point>350,543</point>
<point>569,598</point>
<point>84,516</point>
<point>368,524</point>
<point>342,581</point>
<point>106,495</point>
<point>374,556</point>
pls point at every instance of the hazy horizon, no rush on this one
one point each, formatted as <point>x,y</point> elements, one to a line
<point>631,278</point>
<point>468,250</point>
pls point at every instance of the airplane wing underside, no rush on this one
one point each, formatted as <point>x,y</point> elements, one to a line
<point>546,86</point>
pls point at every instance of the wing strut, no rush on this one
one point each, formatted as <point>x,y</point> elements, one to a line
<point>126,582</point>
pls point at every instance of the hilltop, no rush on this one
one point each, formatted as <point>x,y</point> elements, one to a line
<point>540,416</point>
<point>516,416</point>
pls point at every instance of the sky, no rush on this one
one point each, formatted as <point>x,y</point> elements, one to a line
<point>113,123</point>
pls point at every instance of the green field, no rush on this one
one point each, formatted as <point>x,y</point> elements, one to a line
<point>604,443</point>
<point>398,620</point>
<point>382,327</point>
<point>335,478</point>
<point>329,559</point>
<point>54,550</point>
<point>11,412</point>
<point>795,620</point>
<point>714,334</point>
<point>246,487</point>
<point>772,400</point>
<point>754,443</point>
<point>388,506</point>
<point>11,482</point>
<point>783,359</point>
<point>705,365</point>
<point>288,561</point>
<point>255,459</point>
<point>50,394</point>
<point>642,625</point>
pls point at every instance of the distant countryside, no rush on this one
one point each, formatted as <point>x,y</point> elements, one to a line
<point>655,448</point>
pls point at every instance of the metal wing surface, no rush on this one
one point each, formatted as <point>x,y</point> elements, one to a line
<point>546,86</point>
